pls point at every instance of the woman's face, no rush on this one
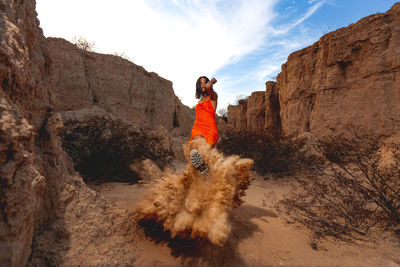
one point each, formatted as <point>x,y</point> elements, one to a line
<point>203,84</point>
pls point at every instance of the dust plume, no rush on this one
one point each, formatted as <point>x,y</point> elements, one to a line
<point>191,205</point>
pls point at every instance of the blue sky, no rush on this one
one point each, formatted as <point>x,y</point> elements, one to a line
<point>242,43</point>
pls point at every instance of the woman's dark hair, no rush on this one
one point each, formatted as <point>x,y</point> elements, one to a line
<point>199,93</point>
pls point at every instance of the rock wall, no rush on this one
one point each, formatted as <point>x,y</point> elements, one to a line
<point>249,114</point>
<point>272,118</point>
<point>349,77</point>
<point>255,114</point>
<point>83,79</point>
<point>237,115</point>
<point>50,88</point>
<point>24,100</point>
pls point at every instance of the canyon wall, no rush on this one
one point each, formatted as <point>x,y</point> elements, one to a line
<point>349,77</point>
<point>55,98</point>
<point>83,79</point>
<point>249,114</point>
<point>24,100</point>
<point>62,108</point>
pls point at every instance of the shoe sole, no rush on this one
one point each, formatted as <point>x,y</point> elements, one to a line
<point>198,162</point>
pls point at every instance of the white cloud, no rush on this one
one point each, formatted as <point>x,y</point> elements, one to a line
<point>180,40</point>
<point>284,29</point>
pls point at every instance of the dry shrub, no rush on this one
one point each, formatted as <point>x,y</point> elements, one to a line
<point>103,147</point>
<point>189,205</point>
<point>83,44</point>
<point>270,155</point>
<point>352,195</point>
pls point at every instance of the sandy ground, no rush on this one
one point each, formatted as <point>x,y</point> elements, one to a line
<point>259,237</point>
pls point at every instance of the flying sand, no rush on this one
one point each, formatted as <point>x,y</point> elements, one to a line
<point>191,205</point>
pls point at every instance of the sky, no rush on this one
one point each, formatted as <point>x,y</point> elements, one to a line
<point>242,43</point>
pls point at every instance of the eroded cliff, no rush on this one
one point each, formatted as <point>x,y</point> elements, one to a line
<point>83,79</point>
<point>96,103</point>
<point>349,77</point>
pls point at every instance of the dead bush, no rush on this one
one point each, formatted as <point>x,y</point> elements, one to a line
<point>273,156</point>
<point>83,44</point>
<point>354,194</point>
<point>103,148</point>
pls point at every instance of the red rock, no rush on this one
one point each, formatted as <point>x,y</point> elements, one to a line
<point>350,77</point>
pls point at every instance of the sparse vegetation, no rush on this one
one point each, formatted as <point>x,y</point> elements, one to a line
<point>83,44</point>
<point>343,194</point>
<point>103,148</point>
<point>223,113</point>
<point>122,55</point>
<point>240,99</point>
<point>354,194</point>
<point>271,156</point>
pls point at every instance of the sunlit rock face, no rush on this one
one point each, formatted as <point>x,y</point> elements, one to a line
<point>84,79</point>
<point>24,100</point>
<point>349,77</point>
<point>47,212</point>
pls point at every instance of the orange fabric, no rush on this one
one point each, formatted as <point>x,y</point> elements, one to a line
<point>205,124</point>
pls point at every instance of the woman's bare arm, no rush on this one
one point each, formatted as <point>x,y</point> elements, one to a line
<point>210,90</point>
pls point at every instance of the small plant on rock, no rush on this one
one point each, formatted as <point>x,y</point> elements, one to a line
<point>83,44</point>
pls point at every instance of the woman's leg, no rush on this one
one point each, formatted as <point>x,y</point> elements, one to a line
<point>197,160</point>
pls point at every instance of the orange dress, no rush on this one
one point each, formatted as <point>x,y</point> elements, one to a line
<point>205,124</point>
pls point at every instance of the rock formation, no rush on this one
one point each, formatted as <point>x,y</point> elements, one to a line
<point>237,115</point>
<point>24,98</point>
<point>249,114</point>
<point>62,107</point>
<point>82,79</point>
<point>272,120</point>
<point>349,77</point>
<point>56,98</point>
<point>255,113</point>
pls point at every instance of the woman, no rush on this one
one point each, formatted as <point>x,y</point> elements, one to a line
<point>205,125</point>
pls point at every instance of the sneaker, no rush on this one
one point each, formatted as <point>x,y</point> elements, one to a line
<point>198,162</point>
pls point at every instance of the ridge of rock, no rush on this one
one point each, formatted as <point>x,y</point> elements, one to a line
<point>350,77</point>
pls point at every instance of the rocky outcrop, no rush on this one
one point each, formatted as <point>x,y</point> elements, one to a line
<point>272,118</point>
<point>25,61</point>
<point>255,114</point>
<point>237,115</point>
<point>83,79</point>
<point>24,100</point>
<point>49,88</point>
<point>349,77</point>
<point>21,186</point>
<point>249,114</point>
